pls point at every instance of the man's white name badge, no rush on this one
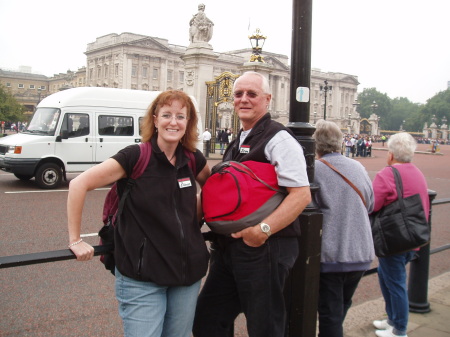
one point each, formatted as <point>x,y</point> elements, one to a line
<point>184,182</point>
<point>245,149</point>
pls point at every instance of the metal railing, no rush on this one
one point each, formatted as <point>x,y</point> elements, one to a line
<point>417,290</point>
<point>419,268</point>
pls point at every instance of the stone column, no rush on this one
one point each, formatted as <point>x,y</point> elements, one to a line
<point>199,61</point>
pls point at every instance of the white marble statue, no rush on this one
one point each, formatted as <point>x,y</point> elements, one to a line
<point>201,28</point>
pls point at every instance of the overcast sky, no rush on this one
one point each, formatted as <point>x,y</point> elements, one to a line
<point>400,47</point>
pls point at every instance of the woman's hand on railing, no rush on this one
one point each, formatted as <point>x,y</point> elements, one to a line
<point>82,250</point>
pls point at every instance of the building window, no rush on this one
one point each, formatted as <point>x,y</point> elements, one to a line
<point>144,72</point>
<point>169,75</point>
<point>133,71</point>
<point>8,85</point>
<point>106,71</point>
<point>20,86</point>
<point>155,73</point>
<point>91,73</point>
<point>116,70</point>
<point>99,72</point>
<point>181,76</point>
<point>32,86</point>
<point>42,87</point>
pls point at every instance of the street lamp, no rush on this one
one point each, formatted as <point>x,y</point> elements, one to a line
<point>374,106</point>
<point>325,90</point>
<point>444,120</point>
<point>401,126</point>
<point>356,104</point>
<point>349,123</point>
<point>433,119</point>
<point>257,41</point>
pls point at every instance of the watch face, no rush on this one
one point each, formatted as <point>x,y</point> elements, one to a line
<point>265,228</point>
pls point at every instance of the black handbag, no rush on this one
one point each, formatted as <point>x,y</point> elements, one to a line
<point>400,226</point>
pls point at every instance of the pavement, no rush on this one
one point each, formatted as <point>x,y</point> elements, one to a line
<point>435,323</point>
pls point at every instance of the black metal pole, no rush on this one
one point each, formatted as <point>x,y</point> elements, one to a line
<point>302,286</point>
<point>325,104</point>
<point>418,274</point>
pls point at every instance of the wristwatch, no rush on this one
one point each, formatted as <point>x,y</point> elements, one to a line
<point>265,228</point>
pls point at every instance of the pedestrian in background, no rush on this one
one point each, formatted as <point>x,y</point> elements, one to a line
<point>347,244</point>
<point>223,139</point>
<point>206,141</point>
<point>392,269</point>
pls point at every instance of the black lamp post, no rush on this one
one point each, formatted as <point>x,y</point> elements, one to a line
<point>39,90</point>
<point>374,106</point>
<point>325,88</point>
<point>433,119</point>
<point>257,41</point>
<point>356,104</point>
<point>378,125</point>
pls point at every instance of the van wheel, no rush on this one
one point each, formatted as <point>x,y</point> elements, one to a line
<point>23,177</point>
<point>49,176</point>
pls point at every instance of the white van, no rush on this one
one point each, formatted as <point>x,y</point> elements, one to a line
<point>75,129</point>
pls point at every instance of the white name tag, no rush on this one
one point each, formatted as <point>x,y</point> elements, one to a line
<point>245,149</point>
<point>185,182</point>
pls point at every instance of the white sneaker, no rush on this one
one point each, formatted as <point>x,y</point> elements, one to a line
<point>387,333</point>
<point>382,325</point>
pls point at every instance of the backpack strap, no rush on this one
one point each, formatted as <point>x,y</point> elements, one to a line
<point>191,162</point>
<point>144,158</point>
<point>138,169</point>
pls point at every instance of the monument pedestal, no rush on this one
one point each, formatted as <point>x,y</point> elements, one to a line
<point>259,67</point>
<point>199,61</point>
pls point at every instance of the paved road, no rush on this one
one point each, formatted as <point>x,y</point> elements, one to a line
<point>77,299</point>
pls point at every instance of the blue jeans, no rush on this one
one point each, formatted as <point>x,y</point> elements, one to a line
<point>150,310</point>
<point>392,277</point>
<point>348,149</point>
<point>335,298</point>
<point>249,280</point>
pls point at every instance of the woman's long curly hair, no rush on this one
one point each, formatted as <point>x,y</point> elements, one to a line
<point>148,128</point>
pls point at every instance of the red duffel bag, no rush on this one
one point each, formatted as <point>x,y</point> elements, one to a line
<point>239,195</point>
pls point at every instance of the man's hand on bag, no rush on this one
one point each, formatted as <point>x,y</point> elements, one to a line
<point>252,236</point>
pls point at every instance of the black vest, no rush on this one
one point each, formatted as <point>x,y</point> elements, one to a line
<point>256,140</point>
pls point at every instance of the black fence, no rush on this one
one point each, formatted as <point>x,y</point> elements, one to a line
<point>302,287</point>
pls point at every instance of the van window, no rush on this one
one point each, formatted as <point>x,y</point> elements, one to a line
<point>44,121</point>
<point>77,125</point>
<point>141,119</point>
<point>115,125</point>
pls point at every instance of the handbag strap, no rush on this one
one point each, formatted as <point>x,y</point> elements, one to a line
<point>346,180</point>
<point>398,186</point>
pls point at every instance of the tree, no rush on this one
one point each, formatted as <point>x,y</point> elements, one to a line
<point>10,109</point>
<point>405,110</point>
<point>438,105</point>
<point>383,110</point>
<point>393,112</point>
